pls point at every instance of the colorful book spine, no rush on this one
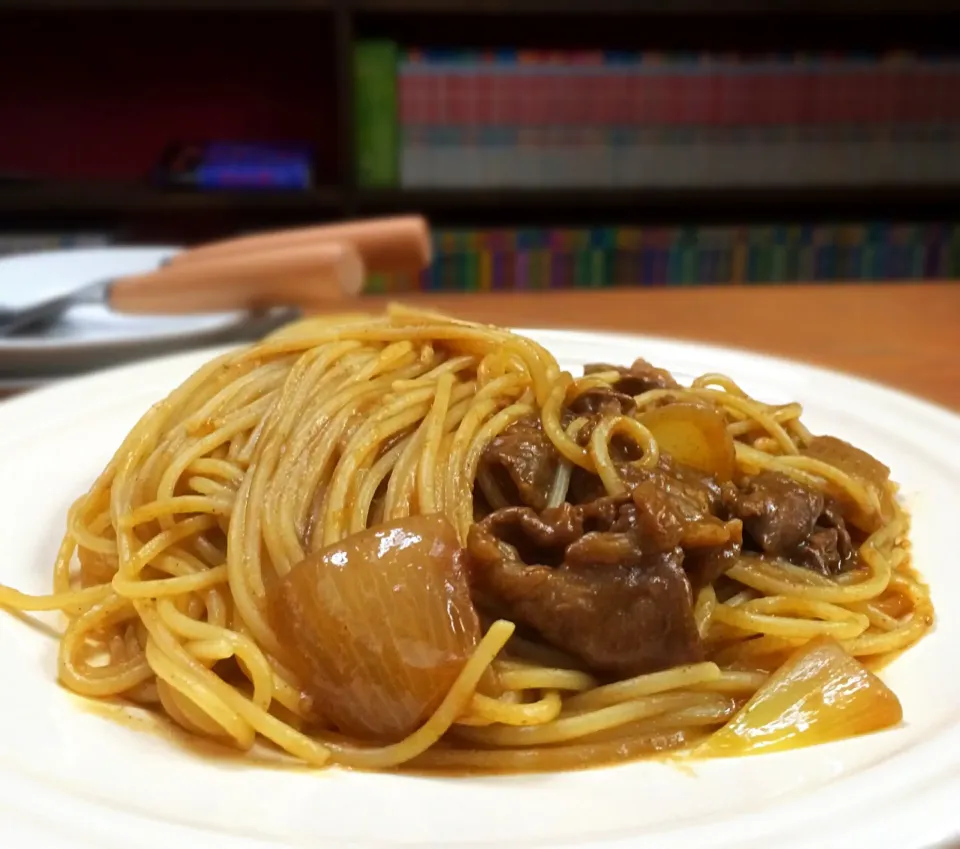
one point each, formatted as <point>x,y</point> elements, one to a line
<point>510,88</point>
<point>534,259</point>
<point>375,113</point>
<point>539,119</point>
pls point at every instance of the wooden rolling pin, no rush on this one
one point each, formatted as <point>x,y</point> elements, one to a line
<point>310,268</point>
<point>400,244</point>
<point>306,276</point>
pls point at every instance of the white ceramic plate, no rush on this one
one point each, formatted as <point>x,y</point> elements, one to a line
<point>70,777</point>
<point>89,335</point>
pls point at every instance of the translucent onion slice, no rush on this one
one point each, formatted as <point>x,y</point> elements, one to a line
<point>819,695</point>
<point>379,625</point>
<point>694,435</point>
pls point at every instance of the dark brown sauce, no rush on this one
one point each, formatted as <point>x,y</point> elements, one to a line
<point>878,662</point>
<point>680,758</point>
<point>148,721</point>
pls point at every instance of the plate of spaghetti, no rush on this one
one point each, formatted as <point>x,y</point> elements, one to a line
<point>401,579</point>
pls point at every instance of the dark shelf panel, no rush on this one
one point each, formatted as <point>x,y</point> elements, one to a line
<point>497,206</point>
<point>85,198</point>
<point>668,205</point>
<point>514,7</point>
<point>654,7</point>
<point>166,5</point>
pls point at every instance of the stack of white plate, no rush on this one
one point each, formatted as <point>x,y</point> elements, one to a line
<point>88,337</point>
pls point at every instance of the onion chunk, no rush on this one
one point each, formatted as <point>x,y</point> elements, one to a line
<point>821,694</point>
<point>378,626</point>
<point>694,435</point>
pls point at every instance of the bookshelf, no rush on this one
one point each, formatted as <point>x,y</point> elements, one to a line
<point>311,42</point>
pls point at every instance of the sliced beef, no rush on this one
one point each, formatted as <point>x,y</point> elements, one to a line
<point>784,518</point>
<point>523,461</point>
<point>631,621</point>
<point>829,549</point>
<point>708,565</point>
<point>711,546</point>
<point>777,512</point>
<point>850,459</point>
<point>639,378</point>
<point>602,401</point>
<point>862,467</point>
<point>696,493</point>
<point>603,581</point>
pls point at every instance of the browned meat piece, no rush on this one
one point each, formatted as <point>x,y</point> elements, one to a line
<point>603,581</point>
<point>829,549</point>
<point>777,512</point>
<point>584,487</point>
<point>696,493</point>
<point>785,519</point>
<point>630,621</point>
<point>852,460</point>
<point>711,546</point>
<point>862,467</point>
<point>557,533</point>
<point>523,461</point>
<point>602,401</point>
<point>707,565</point>
<point>639,378</point>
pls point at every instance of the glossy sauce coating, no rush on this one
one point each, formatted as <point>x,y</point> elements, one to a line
<point>379,625</point>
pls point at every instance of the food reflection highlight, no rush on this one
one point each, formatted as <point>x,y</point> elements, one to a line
<point>413,541</point>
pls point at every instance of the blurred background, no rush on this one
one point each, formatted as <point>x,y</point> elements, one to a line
<point>570,143</point>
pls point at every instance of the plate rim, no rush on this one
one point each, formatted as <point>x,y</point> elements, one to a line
<point>914,803</point>
<point>206,352</point>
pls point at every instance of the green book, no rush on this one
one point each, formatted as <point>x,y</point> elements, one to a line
<point>375,113</point>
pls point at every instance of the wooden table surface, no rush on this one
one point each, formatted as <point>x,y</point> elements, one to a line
<point>902,335</point>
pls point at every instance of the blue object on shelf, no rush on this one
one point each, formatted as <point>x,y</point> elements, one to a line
<point>238,165</point>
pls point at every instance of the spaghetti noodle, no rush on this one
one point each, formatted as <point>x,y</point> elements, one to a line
<point>332,426</point>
